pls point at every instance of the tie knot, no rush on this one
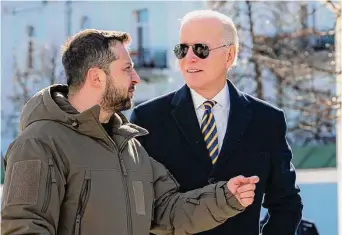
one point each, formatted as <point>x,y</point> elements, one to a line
<point>209,104</point>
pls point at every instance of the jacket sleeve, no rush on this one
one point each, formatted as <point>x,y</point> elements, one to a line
<point>191,212</point>
<point>282,197</point>
<point>33,190</point>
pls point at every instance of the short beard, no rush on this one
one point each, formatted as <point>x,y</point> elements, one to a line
<point>115,99</point>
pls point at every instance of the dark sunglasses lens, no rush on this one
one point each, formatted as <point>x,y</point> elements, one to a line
<point>181,50</point>
<point>201,50</point>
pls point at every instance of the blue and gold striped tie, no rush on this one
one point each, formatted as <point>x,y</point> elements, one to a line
<point>208,127</point>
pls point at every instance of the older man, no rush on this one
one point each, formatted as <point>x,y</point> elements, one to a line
<point>209,131</point>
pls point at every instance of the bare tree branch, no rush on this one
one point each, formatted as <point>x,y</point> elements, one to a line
<point>27,81</point>
<point>300,68</point>
<point>334,7</point>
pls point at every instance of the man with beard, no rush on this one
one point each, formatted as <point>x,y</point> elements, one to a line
<point>76,167</point>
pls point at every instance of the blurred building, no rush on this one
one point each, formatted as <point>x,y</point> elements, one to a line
<point>32,33</point>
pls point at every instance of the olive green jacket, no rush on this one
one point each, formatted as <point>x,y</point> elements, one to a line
<point>65,175</point>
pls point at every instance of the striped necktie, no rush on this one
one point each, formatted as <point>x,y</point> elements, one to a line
<point>209,131</point>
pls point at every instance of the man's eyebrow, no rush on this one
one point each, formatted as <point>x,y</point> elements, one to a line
<point>130,63</point>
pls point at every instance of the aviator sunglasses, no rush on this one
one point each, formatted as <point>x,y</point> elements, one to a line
<point>201,50</point>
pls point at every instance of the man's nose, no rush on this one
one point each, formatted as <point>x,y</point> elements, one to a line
<point>190,56</point>
<point>135,77</point>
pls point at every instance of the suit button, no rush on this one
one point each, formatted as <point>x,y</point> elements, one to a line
<point>212,180</point>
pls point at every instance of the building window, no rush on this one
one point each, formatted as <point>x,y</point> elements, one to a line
<point>142,41</point>
<point>85,22</point>
<point>142,16</point>
<point>30,30</point>
<point>142,28</point>
<point>30,34</point>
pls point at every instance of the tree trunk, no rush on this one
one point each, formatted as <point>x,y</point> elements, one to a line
<point>257,69</point>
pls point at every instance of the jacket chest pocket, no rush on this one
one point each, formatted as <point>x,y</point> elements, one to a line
<point>83,200</point>
<point>51,181</point>
<point>101,204</point>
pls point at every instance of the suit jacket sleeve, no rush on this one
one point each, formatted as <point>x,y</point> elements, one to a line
<point>282,194</point>
<point>191,212</point>
<point>134,118</point>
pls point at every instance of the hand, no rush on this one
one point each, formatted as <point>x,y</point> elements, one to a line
<point>243,188</point>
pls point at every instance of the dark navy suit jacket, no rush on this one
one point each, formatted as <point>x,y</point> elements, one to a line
<point>254,144</point>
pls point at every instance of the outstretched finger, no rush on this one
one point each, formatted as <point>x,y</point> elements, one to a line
<point>238,180</point>
<point>253,179</point>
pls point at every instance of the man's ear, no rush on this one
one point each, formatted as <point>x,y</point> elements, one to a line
<point>96,77</point>
<point>230,56</point>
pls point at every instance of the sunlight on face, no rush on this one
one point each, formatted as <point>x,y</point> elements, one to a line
<point>209,71</point>
<point>121,81</point>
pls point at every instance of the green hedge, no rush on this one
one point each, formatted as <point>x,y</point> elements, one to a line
<point>2,171</point>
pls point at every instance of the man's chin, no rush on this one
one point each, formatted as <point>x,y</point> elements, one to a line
<point>128,105</point>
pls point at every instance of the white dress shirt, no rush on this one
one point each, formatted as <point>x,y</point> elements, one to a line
<point>220,110</point>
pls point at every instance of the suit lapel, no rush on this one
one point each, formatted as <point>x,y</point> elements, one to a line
<point>186,120</point>
<point>239,118</point>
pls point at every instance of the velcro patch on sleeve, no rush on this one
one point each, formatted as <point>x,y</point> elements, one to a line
<point>25,180</point>
<point>139,197</point>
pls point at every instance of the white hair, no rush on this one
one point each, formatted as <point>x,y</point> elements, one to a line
<point>229,30</point>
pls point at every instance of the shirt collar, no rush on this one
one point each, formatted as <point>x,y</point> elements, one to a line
<point>222,98</point>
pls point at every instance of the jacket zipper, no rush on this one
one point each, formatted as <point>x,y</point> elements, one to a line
<point>124,174</point>
<point>124,180</point>
<point>83,200</point>
<point>51,179</point>
<point>196,200</point>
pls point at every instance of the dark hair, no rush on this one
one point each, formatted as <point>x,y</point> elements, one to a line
<point>89,48</point>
